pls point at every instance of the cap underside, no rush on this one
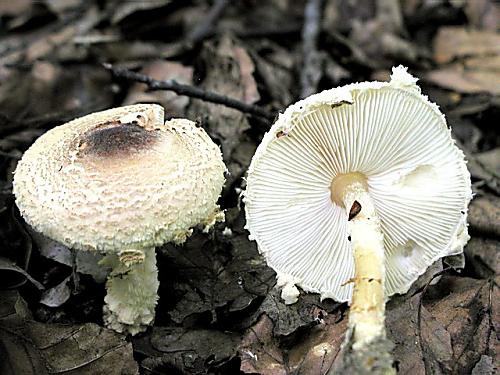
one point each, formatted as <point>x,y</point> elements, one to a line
<point>415,174</point>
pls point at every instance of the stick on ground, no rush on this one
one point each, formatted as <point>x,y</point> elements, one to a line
<point>191,91</point>
<point>311,59</point>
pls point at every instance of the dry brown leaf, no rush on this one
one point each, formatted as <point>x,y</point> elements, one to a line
<point>15,8</point>
<point>457,326</point>
<point>222,58</point>
<point>259,350</point>
<point>174,104</point>
<point>483,14</point>
<point>454,42</point>
<point>484,215</point>
<point>59,348</point>
<point>318,352</point>
<point>314,354</point>
<point>247,68</point>
<point>456,77</point>
<point>48,44</point>
<point>465,308</point>
<point>228,71</point>
<point>483,256</point>
<point>126,8</point>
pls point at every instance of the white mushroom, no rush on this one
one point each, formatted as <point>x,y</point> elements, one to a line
<point>354,192</point>
<point>122,182</point>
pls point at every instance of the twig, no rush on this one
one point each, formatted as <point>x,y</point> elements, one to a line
<point>311,64</point>
<point>191,91</point>
<point>207,26</point>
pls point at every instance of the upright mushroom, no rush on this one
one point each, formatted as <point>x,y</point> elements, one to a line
<point>353,193</point>
<point>122,182</point>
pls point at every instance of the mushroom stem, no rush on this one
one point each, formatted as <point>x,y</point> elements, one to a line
<point>131,290</point>
<point>367,311</point>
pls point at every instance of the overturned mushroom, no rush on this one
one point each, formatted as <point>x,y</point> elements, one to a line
<point>353,193</point>
<point>122,182</point>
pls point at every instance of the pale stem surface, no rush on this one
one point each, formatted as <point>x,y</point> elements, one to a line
<point>367,311</point>
<point>132,290</point>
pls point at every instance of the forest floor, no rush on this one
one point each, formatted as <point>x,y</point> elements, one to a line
<point>219,311</point>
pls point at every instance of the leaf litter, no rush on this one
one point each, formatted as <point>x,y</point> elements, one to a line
<point>219,310</point>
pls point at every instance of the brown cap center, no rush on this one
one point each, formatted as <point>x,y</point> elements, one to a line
<point>117,139</point>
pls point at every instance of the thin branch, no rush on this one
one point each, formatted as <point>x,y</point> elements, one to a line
<point>207,25</point>
<point>191,91</point>
<point>311,62</point>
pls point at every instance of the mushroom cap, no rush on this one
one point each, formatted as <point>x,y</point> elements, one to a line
<point>416,177</point>
<point>120,179</point>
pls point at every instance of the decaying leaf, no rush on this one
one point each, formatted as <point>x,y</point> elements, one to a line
<point>453,331</point>
<point>454,42</point>
<point>57,295</point>
<point>478,67</point>
<point>464,80</point>
<point>48,89</point>
<point>484,216</point>
<point>174,104</point>
<point>484,166</point>
<point>225,58</point>
<point>6,265</point>
<point>86,262</point>
<point>483,256</point>
<point>275,67</point>
<point>287,319</point>
<point>207,275</point>
<point>262,351</point>
<point>127,8</point>
<point>193,351</point>
<point>31,347</point>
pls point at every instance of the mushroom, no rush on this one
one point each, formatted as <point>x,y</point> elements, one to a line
<point>122,182</point>
<point>354,192</point>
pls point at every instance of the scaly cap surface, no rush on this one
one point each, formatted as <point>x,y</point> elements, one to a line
<point>120,179</point>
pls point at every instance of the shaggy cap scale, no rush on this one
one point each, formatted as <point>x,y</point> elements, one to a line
<point>120,179</point>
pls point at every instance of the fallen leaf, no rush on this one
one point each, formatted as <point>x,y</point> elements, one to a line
<point>456,326</point>
<point>6,266</point>
<point>314,353</point>
<point>484,216</point>
<point>86,262</point>
<point>174,104</point>
<point>38,348</point>
<point>274,67</point>
<point>483,256</point>
<point>465,307</point>
<point>456,77</point>
<point>484,366</point>
<point>48,89</point>
<point>259,350</point>
<point>15,8</point>
<point>206,275</point>
<point>320,349</point>
<point>57,295</point>
<point>127,8</point>
<point>287,319</point>
<point>483,14</point>
<point>195,351</point>
<point>454,42</point>
<point>484,166</point>
<point>229,72</point>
